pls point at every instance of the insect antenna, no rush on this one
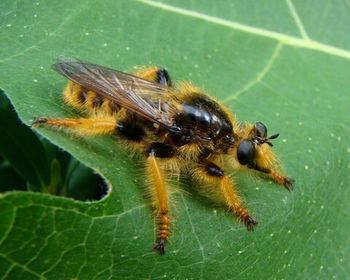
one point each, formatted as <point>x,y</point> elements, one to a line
<point>266,140</point>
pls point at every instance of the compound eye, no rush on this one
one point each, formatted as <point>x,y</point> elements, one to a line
<point>260,130</point>
<point>246,152</point>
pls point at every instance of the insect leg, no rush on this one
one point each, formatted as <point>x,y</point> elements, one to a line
<point>81,126</point>
<point>155,74</point>
<point>159,192</point>
<point>210,173</point>
<point>128,129</point>
<point>275,175</point>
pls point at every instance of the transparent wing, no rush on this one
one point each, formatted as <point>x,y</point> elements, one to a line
<point>149,100</point>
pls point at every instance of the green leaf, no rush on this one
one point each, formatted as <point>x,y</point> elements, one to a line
<point>284,63</point>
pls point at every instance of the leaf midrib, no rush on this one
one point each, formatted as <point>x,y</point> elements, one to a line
<point>304,43</point>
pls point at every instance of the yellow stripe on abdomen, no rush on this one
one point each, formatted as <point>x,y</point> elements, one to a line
<point>88,101</point>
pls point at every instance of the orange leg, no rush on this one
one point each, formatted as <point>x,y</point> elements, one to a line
<point>210,173</point>
<point>280,179</point>
<point>160,200</point>
<point>80,126</point>
<point>275,175</point>
<point>126,128</point>
<point>234,202</point>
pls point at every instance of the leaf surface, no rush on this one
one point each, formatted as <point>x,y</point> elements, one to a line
<point>281,64</point>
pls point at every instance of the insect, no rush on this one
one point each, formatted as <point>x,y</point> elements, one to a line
<point>180,131</point>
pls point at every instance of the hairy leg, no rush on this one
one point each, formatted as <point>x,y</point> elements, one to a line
<point>159,191</point>
<point>210,173</point>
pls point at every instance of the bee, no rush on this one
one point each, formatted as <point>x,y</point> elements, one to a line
<point>179,130</point>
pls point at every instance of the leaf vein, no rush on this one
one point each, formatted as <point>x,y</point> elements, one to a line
<point>285,39</point>
<point>8,271</point>
<point>25,268</point>
<point>297,20</point>
<point>10,226</point>
<point>84,248</point>
<point>200,245</point>
<point>49,34</point>
<point>260,76</point>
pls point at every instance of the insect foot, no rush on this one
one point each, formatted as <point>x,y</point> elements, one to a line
<point>39,121</point>
<point>250,223</point>
<point>288,183</point>
<point>160,246</point>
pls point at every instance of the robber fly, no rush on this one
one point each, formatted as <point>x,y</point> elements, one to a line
<point>180,131</point>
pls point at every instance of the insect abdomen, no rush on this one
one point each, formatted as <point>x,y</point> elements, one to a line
<point>86,100</point>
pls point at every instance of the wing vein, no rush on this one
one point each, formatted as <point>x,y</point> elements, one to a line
<point>142,97</point>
